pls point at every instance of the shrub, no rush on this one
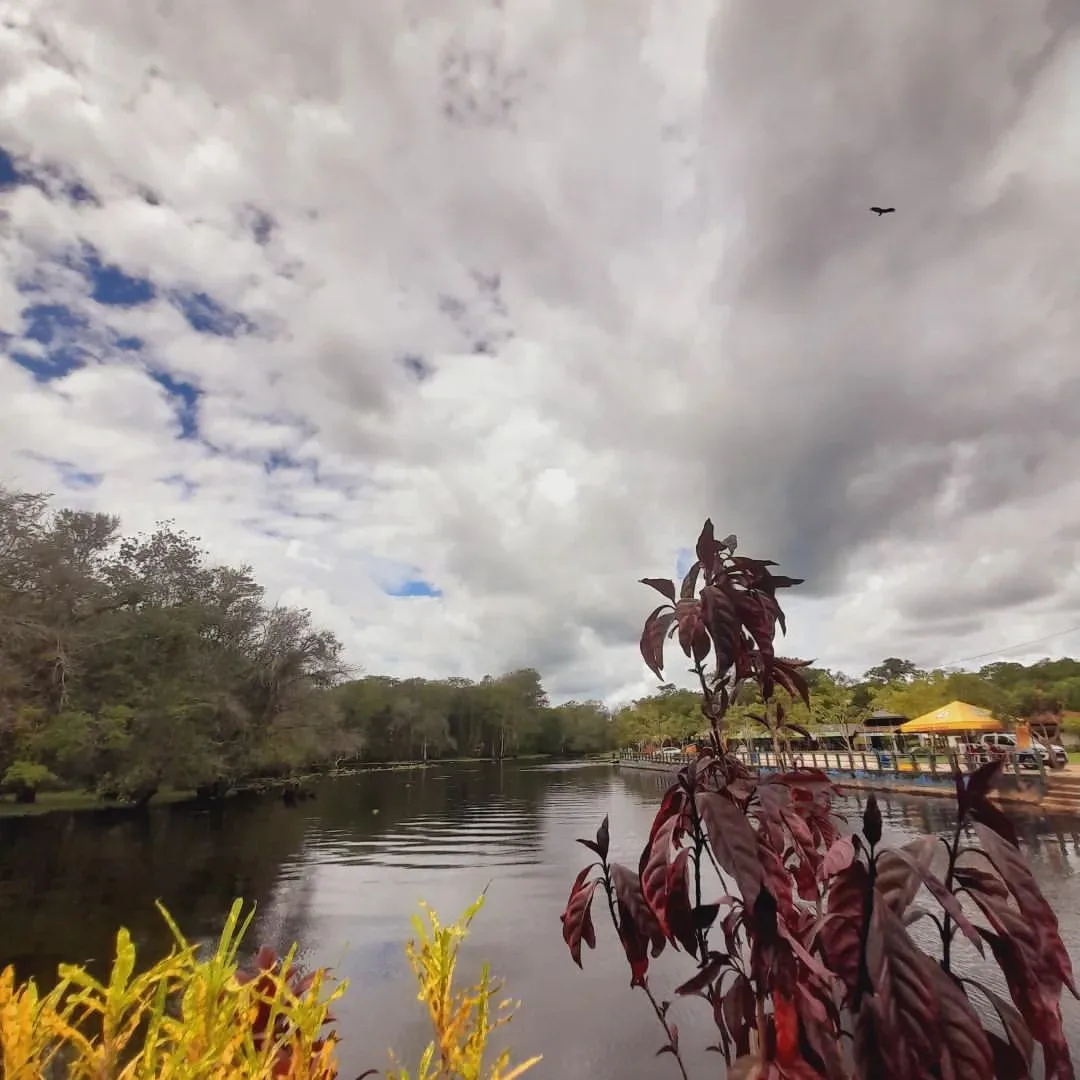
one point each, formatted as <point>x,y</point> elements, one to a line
<point>799,932</point>
<point>25,779</point>
<point>461,1019</point>
<point>188,1018</point>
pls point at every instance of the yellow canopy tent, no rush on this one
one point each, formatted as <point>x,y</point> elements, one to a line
<point>955,718</point>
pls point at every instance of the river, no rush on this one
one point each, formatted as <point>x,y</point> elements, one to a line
<point>342,874</point>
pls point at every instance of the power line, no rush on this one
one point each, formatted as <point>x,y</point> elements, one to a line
<point>1012,648</point>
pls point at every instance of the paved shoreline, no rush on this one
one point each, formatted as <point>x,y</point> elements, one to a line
<point>1020,796</point>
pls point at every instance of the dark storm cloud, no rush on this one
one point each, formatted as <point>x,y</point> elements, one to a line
<point>877,363</point>
<point>1018,586</point>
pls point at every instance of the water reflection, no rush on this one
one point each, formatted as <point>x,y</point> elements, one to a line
<point>342,875</point>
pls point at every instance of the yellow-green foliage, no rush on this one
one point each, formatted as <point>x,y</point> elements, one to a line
<point>188,1018</point>
<point>462,1019</point>
<point>183,1018</point>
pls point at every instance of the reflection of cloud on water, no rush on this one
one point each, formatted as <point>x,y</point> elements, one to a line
<point>374,962</point>
<point>567,766</point>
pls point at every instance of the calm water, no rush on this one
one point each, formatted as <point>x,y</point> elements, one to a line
<point>343,875</point>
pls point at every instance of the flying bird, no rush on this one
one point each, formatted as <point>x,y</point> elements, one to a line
<point>879,210</point>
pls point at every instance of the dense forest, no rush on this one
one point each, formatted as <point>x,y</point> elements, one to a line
<point>1046,690</point>
<point>133,665</point>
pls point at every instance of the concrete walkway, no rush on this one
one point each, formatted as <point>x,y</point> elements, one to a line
<point>1062,795</point>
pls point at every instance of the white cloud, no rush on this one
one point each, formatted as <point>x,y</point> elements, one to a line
<point>629,246</point>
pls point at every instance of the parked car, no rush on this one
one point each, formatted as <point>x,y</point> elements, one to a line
<point>670,753</point>
<point>1005,742</point>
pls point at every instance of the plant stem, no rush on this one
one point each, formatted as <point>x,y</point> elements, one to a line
<point>947,930</point>
<point>761,1026</point>
<point>864,936</point>
<point>609,890</point>
<point>667,1028</point>
<point>699,844</point>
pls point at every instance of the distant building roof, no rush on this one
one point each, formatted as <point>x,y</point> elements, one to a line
<point>884,718</point>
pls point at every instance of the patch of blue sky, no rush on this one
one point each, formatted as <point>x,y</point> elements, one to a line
<point>113,287</point>
<point>206,316</point>
<point>57,330</point>
<point>413,587</point>
<point>16,171</point>
<point>71,476</point>
<point>683,561</point>
<point>184,399</point>
<point>181,483</point>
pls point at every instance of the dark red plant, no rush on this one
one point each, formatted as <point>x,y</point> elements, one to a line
<point>270,978</point>
<point>800,933</point>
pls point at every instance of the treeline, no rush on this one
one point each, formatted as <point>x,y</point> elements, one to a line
<point>132,664</point>
<point>418,719</point>
<point>1048,690</point>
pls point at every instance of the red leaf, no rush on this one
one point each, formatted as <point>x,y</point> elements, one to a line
<point>671,806</point>
<point>1013,868</point>
<point>653,871</point>
<point>599,846</point>
<point>786,1023</point>
<point>821,1027</point>
<point>1008,1063</point>
<point>688,616</point>
<point>706,547</point>
<point>840,934</point>
<point>942,896</point>
<point>776,879</point>
<point>719,614</point>
<point>652,639</point>
<point>978,784</point>
<point>638,925</point>
<point>907,1019</point>
<point>800,831</point>
<point>733,841</point>
<point>804,778</point>
<point>577,917</point>
<point>661,585</point>
<point>714,966</point>
<point>738,1009</point>
<point>986,813</point>
<point>839,857</point>
<point>896,878</point>
<point>820,975</point>
<point>689,583</point>
<point>806,881</point>
<point>603,839</point>
<point>1040,1009</point>
<point>700,643</point>
<point>786,673</point>
<point>976,880</point>
<point>266,959</point>
<point>705,915</point>
<point>680,914</point>
<point>964,1051</point>
<point>1013,1023</point>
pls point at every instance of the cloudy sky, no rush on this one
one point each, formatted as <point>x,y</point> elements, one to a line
<point>455,318</point>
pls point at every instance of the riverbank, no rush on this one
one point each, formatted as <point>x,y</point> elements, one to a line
<point>1022,795</point>
<point>48,802</point>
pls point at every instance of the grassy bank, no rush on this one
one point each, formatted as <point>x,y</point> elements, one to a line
<point>72,801</point>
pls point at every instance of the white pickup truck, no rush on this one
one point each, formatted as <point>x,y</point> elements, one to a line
<point>1005,742</point>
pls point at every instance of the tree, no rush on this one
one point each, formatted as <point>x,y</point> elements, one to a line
<point>893,670</point>
<point>131,664</point>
